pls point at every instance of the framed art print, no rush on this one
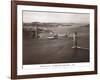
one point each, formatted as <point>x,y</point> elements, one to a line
<point>53,39</point>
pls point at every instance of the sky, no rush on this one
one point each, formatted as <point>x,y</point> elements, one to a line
<point>58,17</point>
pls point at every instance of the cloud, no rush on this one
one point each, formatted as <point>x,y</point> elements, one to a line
<point>31,16</point>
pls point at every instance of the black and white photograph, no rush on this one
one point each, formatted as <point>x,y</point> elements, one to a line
<point>55,37</point>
